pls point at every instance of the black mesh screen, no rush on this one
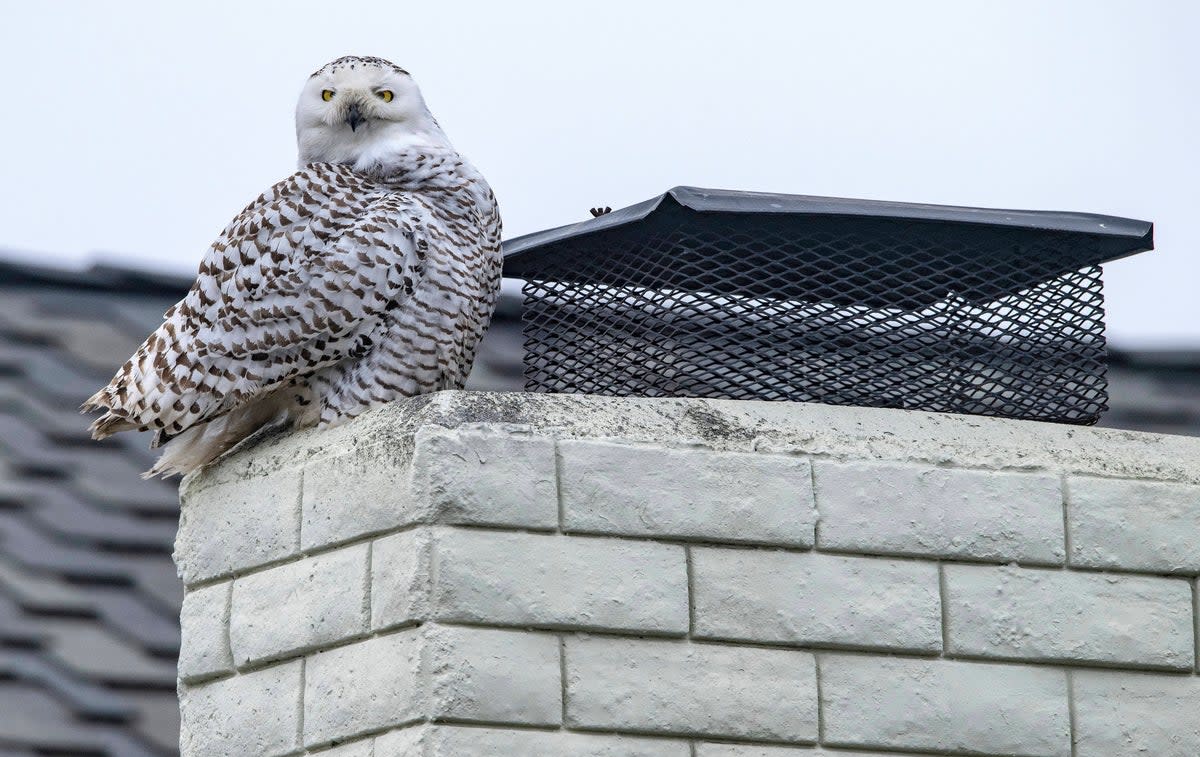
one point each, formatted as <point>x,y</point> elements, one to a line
<point>847,311</point>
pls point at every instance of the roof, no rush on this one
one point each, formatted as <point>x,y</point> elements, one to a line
<point>89,598</point>
<point>1154,390</point>
<point>88,594</point>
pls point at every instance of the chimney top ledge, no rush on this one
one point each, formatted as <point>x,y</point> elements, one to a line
<point>739,426</point>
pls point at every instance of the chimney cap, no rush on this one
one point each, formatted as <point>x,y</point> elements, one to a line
<point>1116,237</point>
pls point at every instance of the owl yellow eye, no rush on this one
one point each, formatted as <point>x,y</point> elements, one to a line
<point>386,95</point>
<point>327,95</point>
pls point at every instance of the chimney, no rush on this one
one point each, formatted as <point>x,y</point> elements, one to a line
<point>463,575</point>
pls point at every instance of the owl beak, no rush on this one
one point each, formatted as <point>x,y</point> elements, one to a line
<point>354,117</point>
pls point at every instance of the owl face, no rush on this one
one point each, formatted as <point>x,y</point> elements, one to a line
<point>355,108</point>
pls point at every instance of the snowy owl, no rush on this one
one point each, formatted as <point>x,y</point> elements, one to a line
<point>368,275</point>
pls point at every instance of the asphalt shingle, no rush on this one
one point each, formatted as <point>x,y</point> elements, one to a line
<point>89,599</point>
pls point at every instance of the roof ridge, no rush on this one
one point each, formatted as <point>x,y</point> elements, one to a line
<point>98,277</point>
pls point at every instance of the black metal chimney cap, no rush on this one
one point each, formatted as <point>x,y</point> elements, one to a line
<point>1114,237</point>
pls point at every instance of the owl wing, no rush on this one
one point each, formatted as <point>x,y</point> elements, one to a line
<point>294,284</point>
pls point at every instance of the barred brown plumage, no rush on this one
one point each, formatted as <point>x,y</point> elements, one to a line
<point>368,275</point>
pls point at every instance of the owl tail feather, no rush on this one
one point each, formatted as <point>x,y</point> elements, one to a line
<point>200,445</point>
<point>109,424</point>
<point>113,420</point>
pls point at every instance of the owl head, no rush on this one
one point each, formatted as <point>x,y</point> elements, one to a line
<point>356,110</point>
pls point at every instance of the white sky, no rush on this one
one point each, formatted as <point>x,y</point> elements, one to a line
<point>133,132</point>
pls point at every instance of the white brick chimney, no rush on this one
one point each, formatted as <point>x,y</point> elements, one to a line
<point>468,575</point>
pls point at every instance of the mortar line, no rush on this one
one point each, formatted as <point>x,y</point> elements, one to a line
<point>562,676</point>
<point>1195,584</point>
<point>820,701</point>
<point>300,509</point>
<point>558,478</point>
<point>812,486</point>
<point>937,462</point>
<point>600,731</point>
<point>1066,505</point>
<point>323,747</point>
<point>792,548</point>
<point>635,636</point>
<point>1071,711</point>
<point>943,592</point>
<point>804,746</point>
<point>865,552</point>
<point>691,590</point>
<point>306,651</point>
<point>324,549</point>
<point>227,611</point>
<point>431,550</point>
<point>300,708</point>
<point>368,581</point>
<point>425,676</point>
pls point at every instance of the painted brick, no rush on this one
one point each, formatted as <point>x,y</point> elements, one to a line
<point>673,687</point>
<point>362,748</point>
<point>944,705</point>
<point>235,526</point>
<point>483,477</point>
<point>1118,714</point>
<point>413,741</point>
<point>1022,613</point>
<point>461,742</point>
<point>810,598</point>
<point>299,606</point>
<point>1134,525</point>
<point>252,713</point>
<point>705,749</point>
<point>938,512</point>
<point>362,687</point>
<point>565,581</point>
<point>449,741</point>
<point>697,494</point>
<point>355,494</point>
<point>401,567</point>
<point>204,640</point>
<point>523,600</point>
<point>493,676</point>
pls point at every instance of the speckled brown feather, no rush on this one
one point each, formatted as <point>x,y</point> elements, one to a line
<point>335,290</point>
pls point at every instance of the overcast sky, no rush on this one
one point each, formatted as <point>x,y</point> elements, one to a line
<point>134,131</point>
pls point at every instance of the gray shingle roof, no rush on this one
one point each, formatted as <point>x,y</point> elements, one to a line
<point>88,594</point>
<point>1154,390</point>
<point>89,599</point>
